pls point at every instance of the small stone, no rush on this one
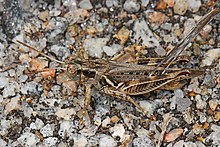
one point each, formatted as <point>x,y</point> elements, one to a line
<point>14,104</point>
<point>80,140</point>
<point>111,3</point>
<point>170,3</point>
<point>44,15</point>
<point>106,122</point>
<point>60,51</point>
<point>107,141</point>
<point>157,17</point>
<point>2,142</point>
<point>179,143</point>
<point>94,46</point>
<point>28,139</point>
<point>188,116</point>
<point>216,116</point>
<point>114,119</point>
<point>143,33</point>
<point>143,142</point>
<point>3,82</point>
<point>183,104</point>
<point>144,3</point>
<point>131,6</point>
<point>66,129</point>
<point>173,135</point>
<point>118,131</point>
<point>110,51</point>
<point>194,5</point>
<point>23,78</point>
<point>213,104</point>
<point>142,132</point>
<point>37,125</point>
<point>98,121</point>
<point>200,104</point>
<point>10,89</point>
<point>70,87</point>
<point>198,129</point>
<point>189,144</point>
<point>50,141</point>
<point>122,35</point>
<point>161,5</point>
<point>47,130</point>
<point>206,31</point>
<point>66,114</point>
<point>180,7</point>
<point>211,55</point>
<point>85,4</point>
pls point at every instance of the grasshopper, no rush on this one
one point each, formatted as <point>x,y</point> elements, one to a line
<point>124,80</point>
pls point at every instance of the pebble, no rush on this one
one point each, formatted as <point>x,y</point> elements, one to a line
<point>141,132</point>
<point>28,139</point>
<point>179,143</point>
<point>118,131</point>
<point>66,114</point>
<point>143,32</point>
<point>157,18</point>
<point>80,140</point>
<point>47,130</point>
<point>183,104</point>
<point>122,35</point>
<point>29,87</point>
<point>173,135</point>
<point>106,141</point>
<point>213,104</point>
<point>50,141</point>
<point>143,141</point>
<point>23,78</point>
<point>3,82</point>
<point>44,15</point>
<point>2,142</point>
<point>14,104</point>
<point>60,51</point>
<point>194,5</point>
<point>131,6</point>
<point>66,129</point>
<point>188,116</point>
<point>198,129</point>
<point>114,119</point>
<point>111,3</point>
<point>94,46</point>
<point>110,51</point>
<point>209,80</point>
<point>211,55</point>
<point>85,4</point>
<point>144,3</point>
<point>37,125</point>
<point>170,3</point>
<point>150,106</point>
<point>200,104</point>
<point>180,7</point>
<point>106,122</point>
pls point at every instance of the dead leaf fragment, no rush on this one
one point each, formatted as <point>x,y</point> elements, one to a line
<point>173,135</point>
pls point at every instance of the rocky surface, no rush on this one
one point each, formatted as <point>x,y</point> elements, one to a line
<point>41,105</point>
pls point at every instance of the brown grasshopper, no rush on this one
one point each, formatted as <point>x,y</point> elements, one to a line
<point>123,80</point>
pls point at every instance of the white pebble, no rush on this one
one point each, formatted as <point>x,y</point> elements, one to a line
<point>194,5</point>
<point>180,7</point>
<point>47,130</point>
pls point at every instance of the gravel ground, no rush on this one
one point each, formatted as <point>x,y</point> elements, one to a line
<point>41,106</point>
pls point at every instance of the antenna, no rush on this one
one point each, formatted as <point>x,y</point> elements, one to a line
<point>52,59</point>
